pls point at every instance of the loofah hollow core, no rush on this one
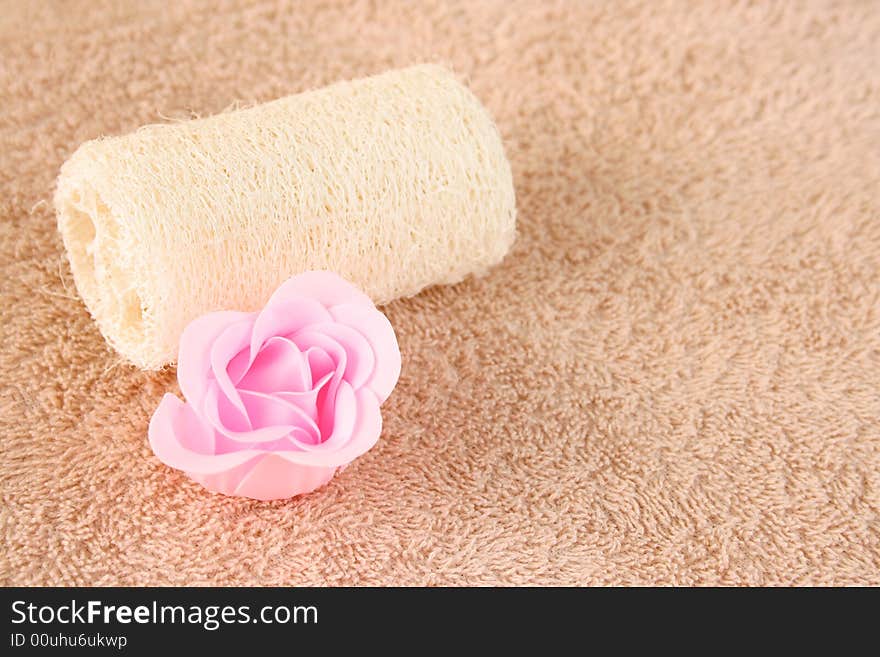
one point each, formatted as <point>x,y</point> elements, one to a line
<point>396,182</point>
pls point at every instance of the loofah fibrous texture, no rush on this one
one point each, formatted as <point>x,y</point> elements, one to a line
<point>396,182</point>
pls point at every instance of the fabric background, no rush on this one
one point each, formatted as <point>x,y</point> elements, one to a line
<point>673,377</point>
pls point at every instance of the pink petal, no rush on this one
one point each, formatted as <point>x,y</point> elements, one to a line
<point>192,432</point>
<point>358,351</point>
<point>309,339</point>
<point>356,427</point>
<point>170,436</point>
<point>230,416</point>
<point>167,424</point>
<point>359,360</point>
<point>327,288</point>
<point>266,481</point>
<point>223,444</point>
<point>227,481</point>
<point>367,426</point>
<point>289,442</point>
<point>364,433</point>
<point>284,316</point>
<point>279,366</point>
<point>238,366</point>
<point>376,328</point>
<point>226,345</point>
<point>260,435</point>
<point>307,400</point>
<point>320,364</point>
<point>338,355</point>
<point>268,410</point>
<point>194,354</point>
<point>273,478</point>
<point>344,414</point>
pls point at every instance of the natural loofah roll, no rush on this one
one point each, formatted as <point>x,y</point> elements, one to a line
<point>395,182</point>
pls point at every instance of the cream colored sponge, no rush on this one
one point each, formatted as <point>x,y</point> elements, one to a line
<point>395,182</point>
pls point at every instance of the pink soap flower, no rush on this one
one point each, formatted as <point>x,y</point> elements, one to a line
<point>278,401</point>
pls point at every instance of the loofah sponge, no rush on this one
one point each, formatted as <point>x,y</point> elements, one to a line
<point>395,182</point>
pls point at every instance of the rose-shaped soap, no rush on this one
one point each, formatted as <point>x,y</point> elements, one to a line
<point>278,401</point>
